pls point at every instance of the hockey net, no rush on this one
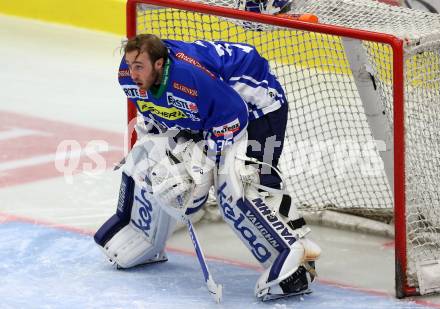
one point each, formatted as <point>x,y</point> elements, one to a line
<point>363,87</point>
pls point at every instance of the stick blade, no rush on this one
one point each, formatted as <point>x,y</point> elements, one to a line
<point>216,290</point>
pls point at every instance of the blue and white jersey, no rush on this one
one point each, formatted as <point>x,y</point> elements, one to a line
<point>210,87</point>
<point>241,67</point>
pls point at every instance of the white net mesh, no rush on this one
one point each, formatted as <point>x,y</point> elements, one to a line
<point>331,158</point>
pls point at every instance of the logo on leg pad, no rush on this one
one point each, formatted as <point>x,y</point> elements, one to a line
<point>261,253</point>
<point>144,221</point>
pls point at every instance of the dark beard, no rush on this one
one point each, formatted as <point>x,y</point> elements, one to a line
<point>157,77</point>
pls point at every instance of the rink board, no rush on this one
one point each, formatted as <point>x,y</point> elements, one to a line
<point>55,268</point>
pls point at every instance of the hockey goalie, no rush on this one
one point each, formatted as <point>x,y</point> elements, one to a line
<point>213,115</point>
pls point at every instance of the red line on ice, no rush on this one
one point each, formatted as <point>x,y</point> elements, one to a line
<point>43,140</point>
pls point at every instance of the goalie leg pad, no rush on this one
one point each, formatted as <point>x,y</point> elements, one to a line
<point>287,276</point>
<point>293,269</point>
<point>269,225</point>
<point>296,284</point>
<point>130,247</point>
<point>137,233</point>
<point>123,212</point>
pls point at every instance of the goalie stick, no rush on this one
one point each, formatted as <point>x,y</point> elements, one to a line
<point>213,288</point>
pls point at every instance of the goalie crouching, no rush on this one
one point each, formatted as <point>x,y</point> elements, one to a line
<point>229,112</point>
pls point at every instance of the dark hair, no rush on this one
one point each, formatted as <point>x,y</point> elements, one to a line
<point>148,43</point>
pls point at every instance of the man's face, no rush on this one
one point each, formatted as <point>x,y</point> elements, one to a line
<point>142,71</point>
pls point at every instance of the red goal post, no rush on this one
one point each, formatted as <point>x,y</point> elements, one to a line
<point>396,45</point>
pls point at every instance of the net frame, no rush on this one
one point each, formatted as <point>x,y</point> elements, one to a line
<point>396,45</point>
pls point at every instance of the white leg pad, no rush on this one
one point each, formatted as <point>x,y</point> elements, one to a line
<point>138,232</point>
<point>288,267</point>
<point>129,247</point>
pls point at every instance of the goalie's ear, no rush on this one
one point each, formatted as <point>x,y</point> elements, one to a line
<point>158,64</point>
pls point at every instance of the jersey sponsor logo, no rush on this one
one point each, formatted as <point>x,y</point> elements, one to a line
<point>261,253</point>
<point>274,221</point>
<point>169,113</point>
<point>124,73</point>
<point>134,92</point>
<point>194,62</point>
<point>143,93</point>
<point>181,103</point>
<point>185,89</point>
<point>144,212</point>
<point>227,129</point>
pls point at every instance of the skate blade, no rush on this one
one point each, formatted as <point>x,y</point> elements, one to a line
<point>279,296</point>
<point>149,262</point>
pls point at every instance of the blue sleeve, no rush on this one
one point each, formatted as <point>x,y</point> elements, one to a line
<point>124,73</point>
<point>237,59</point>
<point>224,58</point>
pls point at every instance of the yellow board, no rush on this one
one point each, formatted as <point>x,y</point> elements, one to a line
<point>102,15</point>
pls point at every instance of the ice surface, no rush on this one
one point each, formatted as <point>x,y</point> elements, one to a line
<point>44,267</point>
